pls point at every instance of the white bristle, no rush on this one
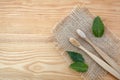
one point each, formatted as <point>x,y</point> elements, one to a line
<point>74,42</point>
<point>81,33</point>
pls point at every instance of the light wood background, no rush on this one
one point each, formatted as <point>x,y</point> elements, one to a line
<point>27,51</point>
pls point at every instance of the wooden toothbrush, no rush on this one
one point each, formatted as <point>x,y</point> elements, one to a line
<point>108,59</point>
<point>96,59</point>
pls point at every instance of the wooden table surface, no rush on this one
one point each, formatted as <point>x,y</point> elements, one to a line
<point>27,51</point>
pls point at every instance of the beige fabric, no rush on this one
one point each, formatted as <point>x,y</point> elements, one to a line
<point>80,18</point>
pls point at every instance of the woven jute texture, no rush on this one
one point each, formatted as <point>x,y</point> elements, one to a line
<point>81,18</point>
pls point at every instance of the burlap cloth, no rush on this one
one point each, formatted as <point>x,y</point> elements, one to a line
<point>81,18</point>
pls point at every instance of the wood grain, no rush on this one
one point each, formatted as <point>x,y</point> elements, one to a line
<point>27,51</point>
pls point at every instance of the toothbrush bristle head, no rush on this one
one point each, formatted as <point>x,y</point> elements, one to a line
<point>74,42</point>
<point>81,33</point>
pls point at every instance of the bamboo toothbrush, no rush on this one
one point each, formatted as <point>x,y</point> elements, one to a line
<point>96,59</point>
<point>109,60</point>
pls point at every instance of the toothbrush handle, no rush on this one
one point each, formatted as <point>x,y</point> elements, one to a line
<point>102,63</point>
<point>109,60</point>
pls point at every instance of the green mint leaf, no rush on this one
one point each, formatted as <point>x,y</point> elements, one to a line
<point>76,57</point>
<point>79,66</point>
<point>98,27</point>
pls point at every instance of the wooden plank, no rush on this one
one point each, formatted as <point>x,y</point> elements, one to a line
<point>26,48</point>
